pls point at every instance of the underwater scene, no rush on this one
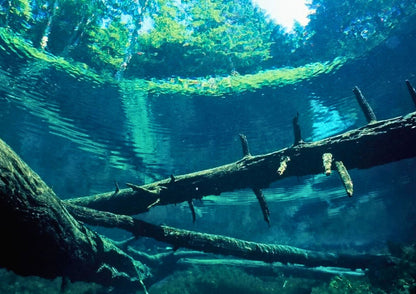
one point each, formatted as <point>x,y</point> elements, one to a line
<point>184,146</point>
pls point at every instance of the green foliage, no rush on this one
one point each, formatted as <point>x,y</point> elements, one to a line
<point>226,45</point>
<point>199,38</point>
<point>16,14</point>
<point>104,48</point>
<point>19,50</point>
<point>168,28</point>
<point>344,285</point>
<point>355,26</point>
<point>236,83</point>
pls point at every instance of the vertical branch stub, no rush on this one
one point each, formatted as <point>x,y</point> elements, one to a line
<point>327,163</point>
<point>345,177</point>
<point>263,204</point>
<point>172,179</point>
<point>296,130</point>
<point>412,91</point>
<point>192,208</point>
<point>117,187</point>
<point>365,107</point>
<point>244,145</point>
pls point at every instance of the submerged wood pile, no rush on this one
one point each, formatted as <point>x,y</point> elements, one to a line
<point>45,236</point>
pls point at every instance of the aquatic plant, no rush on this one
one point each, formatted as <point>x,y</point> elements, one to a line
<point>344,285</point>
<point>224,279</point>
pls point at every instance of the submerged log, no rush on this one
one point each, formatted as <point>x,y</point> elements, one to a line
<point>261,269</point>
<point>375,144</point>
<point>40,237</point>
<point>44,239</point>
<point>224,245</point>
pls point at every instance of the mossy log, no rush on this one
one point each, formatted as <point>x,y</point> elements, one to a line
<point>40,237</point>
<point>262,269</point>
<point>224,245</point>
<point>377,143</point>
<point>45,239</point>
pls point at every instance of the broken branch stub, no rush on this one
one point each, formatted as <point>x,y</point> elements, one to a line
<point>365,106</point>
<point>263,204</point>
<point>283,165</point>
<point>412,91</point>
<point>345,177</point>
<point>244,145</point>
<point>327,163</point>
<point>296,130</point>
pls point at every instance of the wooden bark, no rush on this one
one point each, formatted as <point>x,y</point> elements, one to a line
<point>224,245</point>
<point>44,239</point>
<point>377,143</point>
<point>169,262</point>
<point>40,237</point>
<point>261,269</point>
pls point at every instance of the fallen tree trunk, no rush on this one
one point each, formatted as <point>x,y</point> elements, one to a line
<point>45,240</point>
<point>41,238</point>
<point>224,245</point>
<point>377,143</point>
<point>172,261</point>
<point>261,269</point>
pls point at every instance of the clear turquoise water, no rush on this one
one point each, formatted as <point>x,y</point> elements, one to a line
<point>81,138</point>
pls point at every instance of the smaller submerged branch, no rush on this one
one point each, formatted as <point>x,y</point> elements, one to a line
<point>296,130</point>
<point>263,204</point>
<point>365,106</point>
<point>327,163</point>
<point>117,187</point>
<point>223,245</point>
<point>244,145</point>
<point>345,177</point>
<point>283,165</point>
<point>157,201</point>
<point>412,91</point>
<point>153,194</point>
<point>192,208</point>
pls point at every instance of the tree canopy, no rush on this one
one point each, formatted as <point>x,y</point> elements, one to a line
<point>165,39</point>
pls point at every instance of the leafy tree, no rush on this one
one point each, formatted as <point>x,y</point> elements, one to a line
<point>353,26</point>
<point>15,14</point>
<point>189,38</point>
<point>200,38</point>
<point>103,48</point>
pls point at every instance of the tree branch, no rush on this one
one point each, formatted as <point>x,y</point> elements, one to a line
<point>377,143</point>
<point>223,245</point>
<point>41,238</point>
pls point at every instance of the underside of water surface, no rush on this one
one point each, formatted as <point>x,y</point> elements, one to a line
<point>96,94</point>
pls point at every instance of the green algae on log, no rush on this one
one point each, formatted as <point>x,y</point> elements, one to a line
<point>45,238</point>
<point>224,245</point>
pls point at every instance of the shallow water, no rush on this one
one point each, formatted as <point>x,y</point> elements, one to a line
<point>81,138</point>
